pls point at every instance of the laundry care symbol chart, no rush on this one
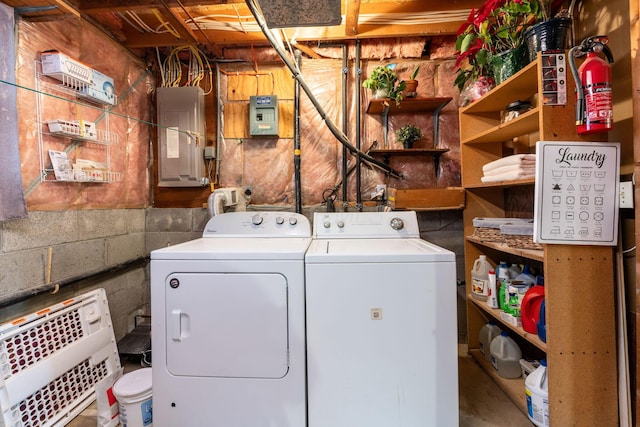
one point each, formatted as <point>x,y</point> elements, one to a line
<point>577,192</point>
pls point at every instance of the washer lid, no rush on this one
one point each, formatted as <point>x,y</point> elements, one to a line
<point>376,251</point>
<point>236,248</point>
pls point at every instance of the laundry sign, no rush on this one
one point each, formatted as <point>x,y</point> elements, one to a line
<point>577,186</point>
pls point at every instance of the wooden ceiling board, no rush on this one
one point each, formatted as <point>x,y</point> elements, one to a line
<point>214,24</point>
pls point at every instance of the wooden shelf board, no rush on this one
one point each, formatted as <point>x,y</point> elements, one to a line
<point>423,199</point>
<point>409,152</point>
<point>495,314</point>
<point>407,105</point>
<point>513,388</point>
<point>523,84</point>
<point>521,125</point>
<point>537,255</point>
<point>514,183</point>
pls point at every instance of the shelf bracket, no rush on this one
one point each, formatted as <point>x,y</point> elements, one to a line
<point>385,126</point>
<point>436,126</point>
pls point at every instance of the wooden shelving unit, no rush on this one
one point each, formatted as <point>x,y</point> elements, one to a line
<point>579,280</point>
<point>409,105</point>
<point>420,198</point>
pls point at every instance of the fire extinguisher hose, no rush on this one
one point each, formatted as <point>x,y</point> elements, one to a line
<point>580,103</point>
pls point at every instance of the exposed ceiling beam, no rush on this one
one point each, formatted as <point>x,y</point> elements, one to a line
<point>67,7</point>
<point>219,23</point>
<point>351,18</point>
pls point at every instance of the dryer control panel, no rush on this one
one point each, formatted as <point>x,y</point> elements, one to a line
<point>259,224</point>
<point>395,224</point>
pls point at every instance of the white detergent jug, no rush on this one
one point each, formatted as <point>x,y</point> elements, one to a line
<point>487,333</point>
<point>480,278</point>
<point>536,390</point>
<point>505,356</point>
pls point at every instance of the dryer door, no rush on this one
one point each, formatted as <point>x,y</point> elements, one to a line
<point>227,325</point>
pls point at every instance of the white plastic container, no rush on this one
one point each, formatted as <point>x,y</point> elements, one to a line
<point>502,271</point>
<point>514,271</point>
<point>505,356</point>
<point>536,390</point>
<point>487,333</point>
<point>133,393</point>
<point>480,278</point>
<point>492,295</point>
<point>526,276</point>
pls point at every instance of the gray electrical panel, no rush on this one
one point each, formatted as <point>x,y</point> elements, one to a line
<point>181,130</point>
<point>263,115</point>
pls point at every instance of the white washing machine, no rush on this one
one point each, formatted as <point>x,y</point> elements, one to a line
<point>228,324</point>
<point>381,324</point>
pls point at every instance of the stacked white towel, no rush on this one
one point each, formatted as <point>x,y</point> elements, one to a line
<point>517,166</point>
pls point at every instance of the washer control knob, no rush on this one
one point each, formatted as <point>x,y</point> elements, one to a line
<point>327,224</point>
<point>397,223</point>
<point>279,220</point>
<point>340,224</point>
<point>256,219</point>
<point>293,220</point>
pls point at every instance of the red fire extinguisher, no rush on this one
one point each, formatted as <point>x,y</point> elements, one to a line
<point>594,109</point>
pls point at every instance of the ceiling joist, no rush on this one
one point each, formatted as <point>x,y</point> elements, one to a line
<point>217,24</point>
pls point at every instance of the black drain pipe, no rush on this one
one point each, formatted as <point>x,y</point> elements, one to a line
<point>345,127</point>
<point>340,136</point>
<point>358,162</point>
<point>57,285</point>
<point>296,138</point>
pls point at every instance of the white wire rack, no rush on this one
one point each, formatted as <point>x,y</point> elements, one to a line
<point>51,360</point>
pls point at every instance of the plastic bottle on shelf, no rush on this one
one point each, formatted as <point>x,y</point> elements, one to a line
<point>536,391</point>
<point>514,271</point>
<point>480,278</point>
<point>505,356</point>
<point>502,271</point>
<point>487,333</point>
<point>502,278</point>
<point>502,294</point>
<point>530,306</point>
<point>541,326</point>
<point>526,276</point>
<point>492,295</point>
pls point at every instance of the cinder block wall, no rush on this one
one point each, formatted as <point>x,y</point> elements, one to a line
<point>84,242</point>
<point>166,227</point>
<point>81,243</point>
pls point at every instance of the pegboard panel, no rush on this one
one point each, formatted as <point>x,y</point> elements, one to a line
<point>581,334</point>
<point>51,360</point>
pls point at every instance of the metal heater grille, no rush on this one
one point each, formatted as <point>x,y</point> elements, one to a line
<point>51,360</point>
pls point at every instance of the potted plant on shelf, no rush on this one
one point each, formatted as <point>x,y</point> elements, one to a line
<point>410,90</point>
<point>383,82</point>
<point>490,43</point>
<point>407,135</point>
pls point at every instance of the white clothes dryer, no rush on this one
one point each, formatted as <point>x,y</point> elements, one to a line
<point>228,324</point>
<point>381,324</point>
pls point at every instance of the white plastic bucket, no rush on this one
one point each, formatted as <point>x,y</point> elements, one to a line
<point>133,393</point>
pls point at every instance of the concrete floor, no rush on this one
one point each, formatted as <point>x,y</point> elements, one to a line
<point>482,403</point>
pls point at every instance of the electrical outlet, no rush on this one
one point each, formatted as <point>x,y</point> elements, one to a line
<point>209,153</point>
<point>626,195</point>
<point>380,193</point>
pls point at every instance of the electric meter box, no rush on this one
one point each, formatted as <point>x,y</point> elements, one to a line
<point>263,115</point>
